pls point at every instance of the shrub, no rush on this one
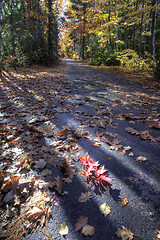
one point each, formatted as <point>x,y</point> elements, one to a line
<point>130,59</point>
<point>104,58</point>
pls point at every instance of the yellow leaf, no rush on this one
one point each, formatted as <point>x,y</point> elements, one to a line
<point>105,209</point>
<point>88,230</point>
<point>124,201</point>
<point>63,229</point>
<point>158,235</point>
<point>124,233</point>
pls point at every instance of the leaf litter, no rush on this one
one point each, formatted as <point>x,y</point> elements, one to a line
<point>28,151</point>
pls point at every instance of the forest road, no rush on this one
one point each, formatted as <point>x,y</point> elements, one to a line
<point>122,120</point>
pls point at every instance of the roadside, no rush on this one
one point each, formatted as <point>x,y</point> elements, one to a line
<point>140,77</point>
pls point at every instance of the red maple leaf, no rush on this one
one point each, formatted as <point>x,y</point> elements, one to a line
<point>92,172</point>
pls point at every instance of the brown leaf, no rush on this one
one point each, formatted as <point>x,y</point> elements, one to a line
<point>144,135</point>
<point>122,152</point>
<point>69,169</point>
<point>124,233</point>
<point>157,126</point>
<point>84,197</point>
<point>128,116</point>
<point>118,100</point>
<point>88,230</point>
<point>132,131</point>
<point>58,184</point>
<point>67,180</point>
<point>81,222</point>
<point>124,201</point>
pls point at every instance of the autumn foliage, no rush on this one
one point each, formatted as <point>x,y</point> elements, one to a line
<point>93,172</point>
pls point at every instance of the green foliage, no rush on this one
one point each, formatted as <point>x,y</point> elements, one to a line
<point>104,58</point>
<point>29,32</point>
<point>130,59</point>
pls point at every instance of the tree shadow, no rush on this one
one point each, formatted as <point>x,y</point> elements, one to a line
<point>73,209</point>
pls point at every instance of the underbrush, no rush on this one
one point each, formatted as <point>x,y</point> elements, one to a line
<point>104,58</point>
<point>130,59</point>
<point>127,58</point>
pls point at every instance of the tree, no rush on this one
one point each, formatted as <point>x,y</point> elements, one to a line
<point>29,32</point>
<point>154,35</point>
<point>105,28</point>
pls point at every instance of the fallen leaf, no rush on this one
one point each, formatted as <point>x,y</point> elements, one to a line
<point>141,159</point>
<point>155,126</point>
<point>124,233</point>
<point>88,230</point>
<point>133,179</point>
<point>158,235</point>
<point>69,169</point>
<point>81,222</point>
<point>97,144</point>
<point>67,180</point>
<point>105,209</point>
<point>46,172</point>
<point>124,201</point>
<point>132,131</point>
<point>58,184</point>
<point>84,197</point>
<point>40,163</point>
<point>131,154</point>
<point>127,116</point>
<point>63,229</point>
<point>118,100</point>
<point>122,152</point>
<point>127,148</point>
<point>63,132</point>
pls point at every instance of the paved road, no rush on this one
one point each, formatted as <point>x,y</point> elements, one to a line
<point>98,100</point>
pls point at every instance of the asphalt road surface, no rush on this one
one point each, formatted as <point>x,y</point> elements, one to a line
<point>115,106</point>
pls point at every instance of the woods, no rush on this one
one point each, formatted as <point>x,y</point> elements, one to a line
<point>29,32</point>
<point>112,32</point>
<point>119,32</point>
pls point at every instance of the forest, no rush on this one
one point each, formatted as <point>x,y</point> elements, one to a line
<point>120,32</point>
<point>79,120</point>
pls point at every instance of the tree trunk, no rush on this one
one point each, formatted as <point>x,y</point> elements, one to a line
<point>134,30</point>
<point>50,43</point>
<point>116,28</point>
<point>152,16</point>
<point>154,35</point>
<point>83,31</point>
<point>109,28</point>
<point>141,26</point>
<point>13,33</point>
